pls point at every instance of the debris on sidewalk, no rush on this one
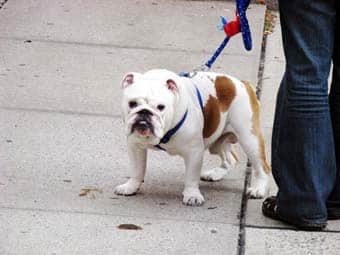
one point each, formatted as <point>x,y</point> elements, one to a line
<point>213,231</point>
<point>90,192</point>
<point>2,3</point>
<point>269,23</point>
<point>129,227</point>
<point>212,207</point>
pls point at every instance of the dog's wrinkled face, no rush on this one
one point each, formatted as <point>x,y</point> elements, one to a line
<point>148,106</point>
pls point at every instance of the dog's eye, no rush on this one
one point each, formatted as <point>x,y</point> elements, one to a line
<point>161,107</point>
<point>132,104</point>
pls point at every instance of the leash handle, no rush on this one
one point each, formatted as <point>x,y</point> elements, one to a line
<point>241,6</point>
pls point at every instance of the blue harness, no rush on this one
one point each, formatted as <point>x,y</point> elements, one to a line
<point>166,138</point>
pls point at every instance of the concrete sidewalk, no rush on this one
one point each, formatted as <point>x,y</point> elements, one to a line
<point>63,148</point>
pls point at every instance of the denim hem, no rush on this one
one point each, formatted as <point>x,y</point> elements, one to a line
<point>316,222</point>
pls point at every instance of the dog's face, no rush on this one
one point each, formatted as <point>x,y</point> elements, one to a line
<point>148,106</point>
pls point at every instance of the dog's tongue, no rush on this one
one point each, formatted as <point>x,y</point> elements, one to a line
<point>143,131</point>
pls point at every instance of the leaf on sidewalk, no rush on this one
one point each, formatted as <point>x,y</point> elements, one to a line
<point>269,23</point>
<point>90,192</point>
<point>129,227</point>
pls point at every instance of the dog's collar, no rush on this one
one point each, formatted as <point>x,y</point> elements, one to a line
<point>166,138</point>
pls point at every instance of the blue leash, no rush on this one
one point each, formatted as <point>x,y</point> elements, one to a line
<point>213,58</point>
<point>241,6</point>
<point>231,28</point>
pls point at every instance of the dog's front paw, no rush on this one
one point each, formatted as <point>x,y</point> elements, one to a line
<point>192,197</point>
<point>254,192</point>
<point>129,188</point>
<point>258,188</point>
<point>214,175</point>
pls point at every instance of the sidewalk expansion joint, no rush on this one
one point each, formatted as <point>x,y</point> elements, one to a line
<point>104,214</point>
<point>242,224</point>
<point>261,67</point>
<point>121,47</point>
<point>269,24</point>
<point>64,112</point>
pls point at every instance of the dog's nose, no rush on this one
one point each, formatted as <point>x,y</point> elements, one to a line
<point>145,112</point>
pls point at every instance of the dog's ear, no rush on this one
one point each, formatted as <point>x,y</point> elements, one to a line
<point>129,79</point>
<point>171,84</point>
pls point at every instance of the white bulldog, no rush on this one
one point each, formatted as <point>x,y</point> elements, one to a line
<point>185,116</point>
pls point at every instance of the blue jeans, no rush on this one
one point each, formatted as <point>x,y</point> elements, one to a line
<point>306,132</point>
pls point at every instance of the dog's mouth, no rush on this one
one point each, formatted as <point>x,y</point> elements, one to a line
<point>143,128</point>
<point>145,123</point>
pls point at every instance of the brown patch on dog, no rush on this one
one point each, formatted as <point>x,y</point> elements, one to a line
<point>255,106</point>
<point>212,116</point>
<point>225,92</point>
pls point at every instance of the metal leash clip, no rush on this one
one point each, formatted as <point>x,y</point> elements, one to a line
<point>200,68</point>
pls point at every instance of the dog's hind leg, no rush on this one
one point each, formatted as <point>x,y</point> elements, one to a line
<point>223,148</point>
<point>246,123</point>
<point>253,146</point>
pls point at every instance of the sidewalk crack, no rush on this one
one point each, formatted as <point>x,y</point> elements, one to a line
<point>242,224</point>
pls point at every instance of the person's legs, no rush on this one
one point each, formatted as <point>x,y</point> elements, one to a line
<point>333,202</point>
<point>303,157</point>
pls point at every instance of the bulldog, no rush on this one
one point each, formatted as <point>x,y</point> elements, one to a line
<point>185,116</point>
